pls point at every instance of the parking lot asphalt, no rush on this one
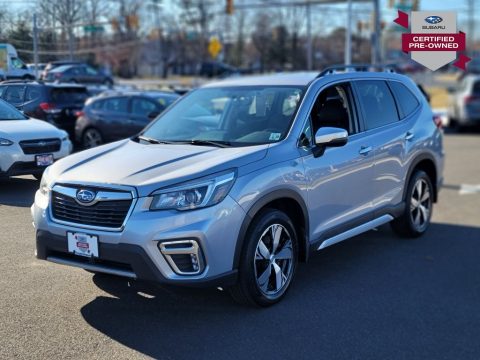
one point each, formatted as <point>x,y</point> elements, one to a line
<point>373,297</point>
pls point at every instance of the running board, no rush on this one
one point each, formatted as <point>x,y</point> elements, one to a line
<point>92,267</point>
<point>356,231</point>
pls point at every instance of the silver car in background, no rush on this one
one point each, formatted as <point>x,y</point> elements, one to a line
<point>241,179</point>
<point>464,109</point>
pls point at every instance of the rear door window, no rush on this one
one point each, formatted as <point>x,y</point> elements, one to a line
<point>117,104</point>
<point>377,101</point>
<point>143,107</point>
<point>405,99</point>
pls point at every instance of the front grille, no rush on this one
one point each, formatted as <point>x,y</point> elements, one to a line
<point>40,146</point>
<point>108,214</point>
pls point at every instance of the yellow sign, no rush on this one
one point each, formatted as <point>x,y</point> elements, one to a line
<point>214,47</point>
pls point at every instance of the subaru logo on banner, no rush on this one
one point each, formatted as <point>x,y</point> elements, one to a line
<point>433,19</point>
<point>85,196</point>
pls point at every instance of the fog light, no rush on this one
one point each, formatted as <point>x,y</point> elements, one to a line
<point>184,256</point>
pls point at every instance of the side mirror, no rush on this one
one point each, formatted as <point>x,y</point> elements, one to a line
<point>153,115</point>
<point>329,137</point>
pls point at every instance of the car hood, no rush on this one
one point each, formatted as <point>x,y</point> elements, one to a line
<point>17,130</point>
<point>148,167</point>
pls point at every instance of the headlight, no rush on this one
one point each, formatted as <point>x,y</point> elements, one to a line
<point>64,135</point>
<point>45,183</point>
<point>198,194</point>
<point>5,142</point>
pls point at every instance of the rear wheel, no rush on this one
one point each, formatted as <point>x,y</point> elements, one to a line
<point>418,207</point>
<point>269,260</point>
<point>91,138</point>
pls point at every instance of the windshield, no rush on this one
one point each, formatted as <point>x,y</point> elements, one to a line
<point>237,116</point>
<point>71,95</point>
<point>9,112</point>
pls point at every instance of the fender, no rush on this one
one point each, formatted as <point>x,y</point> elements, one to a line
<point>257,206</point>
<point>413,165</point>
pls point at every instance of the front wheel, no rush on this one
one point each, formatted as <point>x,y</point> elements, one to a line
<point>269,260</point>
<point>418,207</point>
<point>91,138</point>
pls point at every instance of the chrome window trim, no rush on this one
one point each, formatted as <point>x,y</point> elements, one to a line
<point>68,191</point>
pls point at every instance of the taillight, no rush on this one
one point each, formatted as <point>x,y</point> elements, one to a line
<point>46,106</point>
<point>437,120</point>
<point>469,99</point>
<point>79,113</point>
<point>49,108</point>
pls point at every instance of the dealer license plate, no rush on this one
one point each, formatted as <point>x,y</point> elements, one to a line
<point>44,160</point>
<point>82,244</point>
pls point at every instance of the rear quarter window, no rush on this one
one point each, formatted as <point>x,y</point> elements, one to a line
<point>406,100</point>
<point>69,95</point>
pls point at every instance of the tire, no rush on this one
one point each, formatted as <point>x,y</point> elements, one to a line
<point>91,138</point>
<point>415,219</point>
<point>257,284</point>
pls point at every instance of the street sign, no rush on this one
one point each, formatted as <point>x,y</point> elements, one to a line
<point>214,47</point>
<point>93,28</point>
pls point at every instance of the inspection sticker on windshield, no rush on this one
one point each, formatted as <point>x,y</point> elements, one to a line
<point>82,244</point>
<point>275,136</point>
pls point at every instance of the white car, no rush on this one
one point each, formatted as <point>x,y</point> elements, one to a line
<point>28,146</point>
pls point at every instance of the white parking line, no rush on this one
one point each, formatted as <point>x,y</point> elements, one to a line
<point>467,189</point>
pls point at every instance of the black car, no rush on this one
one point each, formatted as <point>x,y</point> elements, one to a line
<point>54,64</point>
<point>107,118</point>
<point>81,74</point>
<point>217,69</point>
<point>54,103</point>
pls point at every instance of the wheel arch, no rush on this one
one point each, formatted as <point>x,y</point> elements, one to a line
<point>292,204</point>
<point>424,162</point>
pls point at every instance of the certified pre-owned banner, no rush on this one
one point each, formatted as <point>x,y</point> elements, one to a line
<point>433,41</point>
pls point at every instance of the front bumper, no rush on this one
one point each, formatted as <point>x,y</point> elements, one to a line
<point>14,162</point>
<point>134,251</point>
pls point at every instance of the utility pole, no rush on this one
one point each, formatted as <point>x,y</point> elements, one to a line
<point>348,35</point>
<point>376,56</point>
<point>471,25</point>
<point>35,44</point>
<point>309,36</point>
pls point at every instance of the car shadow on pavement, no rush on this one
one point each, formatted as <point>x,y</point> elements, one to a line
<point>18,191</point>
<point>374,296</point>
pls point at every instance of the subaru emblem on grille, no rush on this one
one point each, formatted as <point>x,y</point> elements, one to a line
<point>85,196</point>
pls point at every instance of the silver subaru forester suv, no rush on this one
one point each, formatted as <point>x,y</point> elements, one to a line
<point>241,179</point>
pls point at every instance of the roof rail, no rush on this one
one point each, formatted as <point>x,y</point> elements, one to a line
<point>21,81</point>
<point>357,68</point>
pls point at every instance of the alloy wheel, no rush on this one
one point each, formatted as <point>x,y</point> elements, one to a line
<point>420,204</point>
<point>91,139</point>
<point>274,260</point>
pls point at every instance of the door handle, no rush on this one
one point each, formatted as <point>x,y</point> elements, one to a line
<point>364,150</point>
<point>409,136</point>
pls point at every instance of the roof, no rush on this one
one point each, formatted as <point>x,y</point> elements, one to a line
<point>279,79</point>
<point>299,78</point>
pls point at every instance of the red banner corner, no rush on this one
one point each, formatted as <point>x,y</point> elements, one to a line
<point>402,19</point>
<point>462,61</point>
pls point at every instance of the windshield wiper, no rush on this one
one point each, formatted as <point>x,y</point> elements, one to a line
<point>152,140</point>
<point>220,144</point>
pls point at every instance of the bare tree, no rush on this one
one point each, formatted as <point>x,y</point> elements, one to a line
<point>68,13</point>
